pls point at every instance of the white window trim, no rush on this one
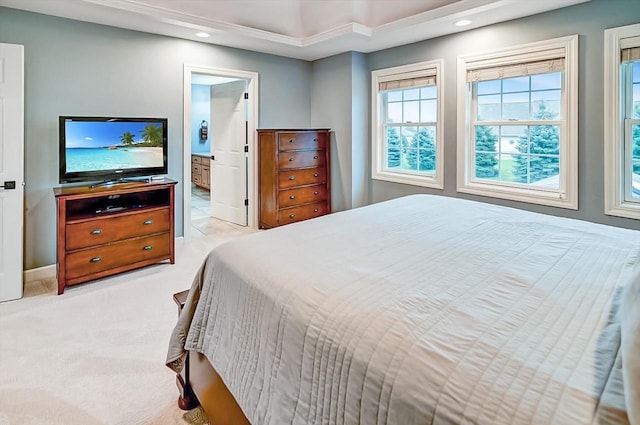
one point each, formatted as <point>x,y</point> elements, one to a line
<point>567,194</point>
<point>378,168</point>
<point>614,199</point>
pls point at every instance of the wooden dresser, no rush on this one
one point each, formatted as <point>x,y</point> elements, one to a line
<point>295,176</point>
<point>200,174</point>
<point>110,229</point>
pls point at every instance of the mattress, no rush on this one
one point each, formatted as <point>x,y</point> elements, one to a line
<point>417,310</point>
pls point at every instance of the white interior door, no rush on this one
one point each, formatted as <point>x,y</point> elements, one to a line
<point>227,129</point>
<point>11,169</point>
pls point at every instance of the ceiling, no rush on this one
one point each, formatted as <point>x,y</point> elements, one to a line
<point>302,29</point>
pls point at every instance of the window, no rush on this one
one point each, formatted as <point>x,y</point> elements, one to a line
<point>622,121</point>
<point>407,134</point>
<point>517,123</point>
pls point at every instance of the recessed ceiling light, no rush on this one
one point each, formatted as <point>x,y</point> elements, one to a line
<point>203,34</point>
<point>463,23</point>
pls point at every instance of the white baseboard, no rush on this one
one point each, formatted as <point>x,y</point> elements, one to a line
<point>40,273</point>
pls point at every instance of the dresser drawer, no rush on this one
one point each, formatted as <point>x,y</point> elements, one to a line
<point>301,177</point>
<point>195,159</point>
<point>196,168</point>
<point>292,141</point>
<point>111,229</point>
<point>302,195</point>
<point>300,159</point>
<point>291,215</point>
<point>95,260</point>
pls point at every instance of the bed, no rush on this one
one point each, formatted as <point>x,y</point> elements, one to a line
<point>418,310</point>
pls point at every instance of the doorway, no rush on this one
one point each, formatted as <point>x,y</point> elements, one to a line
<point>222,134</point>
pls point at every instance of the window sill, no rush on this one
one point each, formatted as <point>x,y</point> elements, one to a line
<point>531,196</point>
<point>431,181</point>
<point>626,210</point>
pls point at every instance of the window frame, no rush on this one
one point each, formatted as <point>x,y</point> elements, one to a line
<point>616,126</point>
<point>566,196</point>
<point>379,170</point>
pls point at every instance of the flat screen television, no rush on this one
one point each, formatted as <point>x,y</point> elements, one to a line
<point>109,149</point>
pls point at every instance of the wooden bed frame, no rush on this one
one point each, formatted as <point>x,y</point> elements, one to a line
<point>200,384</point>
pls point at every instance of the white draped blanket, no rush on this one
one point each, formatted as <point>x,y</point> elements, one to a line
<point>419,310</point>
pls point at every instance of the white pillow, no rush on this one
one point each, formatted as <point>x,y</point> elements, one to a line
<point>630,346</point>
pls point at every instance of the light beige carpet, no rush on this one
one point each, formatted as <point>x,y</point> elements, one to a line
<point>95,355</point>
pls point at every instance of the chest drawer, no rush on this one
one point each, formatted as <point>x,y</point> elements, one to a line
<point>195,159</point>
<point>302,195</point>
<point>111,229</point>
<point>300,159</point>
<point>303,212</point>
<point>292,141</point>
<point>301,177</point>
<point>95,260</point>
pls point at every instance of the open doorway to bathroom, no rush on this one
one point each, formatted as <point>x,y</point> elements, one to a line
<point>220,116</point>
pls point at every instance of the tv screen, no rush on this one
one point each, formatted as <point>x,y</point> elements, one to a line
<point>111,149</point>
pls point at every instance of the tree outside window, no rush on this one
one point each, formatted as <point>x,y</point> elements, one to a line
<point>540,151</point>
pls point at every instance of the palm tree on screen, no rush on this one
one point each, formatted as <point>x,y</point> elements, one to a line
<point>152,134</point>
<point>127,138</point>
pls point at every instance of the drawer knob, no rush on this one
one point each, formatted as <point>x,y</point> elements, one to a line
<point>292,215</point>
<point>315,139</point>
<point>316,192</point>
<point>147,248</point>
<point>96,231</point>
<point>315,174</point>
<point>290,140</point>
<point>292,197</point>
<point>292,178</point>
<point>315,210</point>
<point>315,157</point>
<point>95,259</point>
<point>150,221</point>
<point>293,158</point>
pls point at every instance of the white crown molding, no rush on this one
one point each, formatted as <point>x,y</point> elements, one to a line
<point>182,23</point>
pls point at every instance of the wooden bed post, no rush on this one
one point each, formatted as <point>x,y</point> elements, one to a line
<point>187,399</point>
<point>199,377</point>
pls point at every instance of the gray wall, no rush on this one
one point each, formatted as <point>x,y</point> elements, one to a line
<point>331,108</point>
<point>588,20</point>
<point>76,68</point>
<point>339,100</point>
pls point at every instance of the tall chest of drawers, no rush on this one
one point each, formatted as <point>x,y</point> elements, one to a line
<point>295,177</point>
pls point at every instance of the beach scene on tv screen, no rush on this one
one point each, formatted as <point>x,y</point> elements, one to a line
<point>106,145</point>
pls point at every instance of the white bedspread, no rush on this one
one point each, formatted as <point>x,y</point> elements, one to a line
<point>419,310</point>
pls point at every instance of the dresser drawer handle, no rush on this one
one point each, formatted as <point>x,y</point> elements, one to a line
<point>150,221</point>
<point>315,174</point>
<point>292,178</point>
<point>96,231</point>
<point>95,259</point>
<point>293,158</point>
<point>316,192</point>
<point>147,247</point>
<point>315,139</point>
<point>292,197</point>
<point>315,157</point>
<point>290,140</point>
<point>315,210</point>
<point>292,215</point>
